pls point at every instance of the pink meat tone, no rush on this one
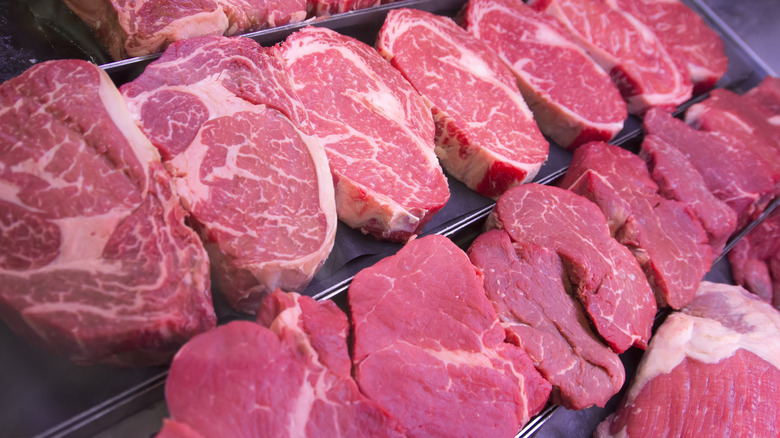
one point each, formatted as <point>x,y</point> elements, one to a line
<point>376,129</point>
<point>573,99</point>
<point>238,144</point>
<point>486,136</point>
<point>330,7</point>
<point>429,348</point>
<point>755,260</point>
<point>605,276</point>
<point>97,263</point>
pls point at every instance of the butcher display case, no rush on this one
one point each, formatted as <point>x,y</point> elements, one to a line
<point>46,396</point>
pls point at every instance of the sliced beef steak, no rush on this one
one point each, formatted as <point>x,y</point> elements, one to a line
<point>376,129</point>
<point>712,369</point>
<point>643,70</point>
<point>685,35</point>
<point>678,179</point>
<point>97,263</point>
<point>572,98</point>
<point>664,235</point>
<point>734,174</point>
<point>755,259</point>
<point>244,380</point>
<point>330,7</point>
<point>429,348</point>
<point>607,279</point>
<point>527,285</point>
<point>486,136</point>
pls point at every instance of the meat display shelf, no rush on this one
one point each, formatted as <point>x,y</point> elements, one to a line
<point>46,396</point>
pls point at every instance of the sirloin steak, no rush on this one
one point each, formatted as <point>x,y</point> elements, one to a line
<point>237,142</point>
<point>573,99</point>
<point>291,379</point>
<point>712,369</point>
<point>96,262</point>
<point>606,277</point>
<point>429,348</point>
<point>486,136</point>
<point>377,132</point>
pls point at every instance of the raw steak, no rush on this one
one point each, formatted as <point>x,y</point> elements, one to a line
<point>755,259</point>
<point>677,179</point>
<point>429,348</point>
<point>605,276</point>
<point>710,370</point>
<point>330,7</point>
<point>664,235</point>
<point>96,262</point>
<point>130,28</point>
<point>572,98</point>
<point>527,286</point>
<point>376,129</point>
<point>175,429</point>
<point>237,142</point>
<point>685,35</point>
<point>244,380</point>
<point>734,174</point>
<point>486,136</point>
<point>643,70</point>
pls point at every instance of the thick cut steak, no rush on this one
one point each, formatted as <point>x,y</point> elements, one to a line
<point>605,276</point>
<point>486,136</point>
<point>330,7</point>
<point>755,259</point>
<point>643,70</point>
<point>527,285</point>
<point>712,369</point>
<point>573,99</point>
<point>130,28</point>
<point>429,348</point>
<point>237,142</point>
<point>679,180</point>
<point>95,259</point>
<point>733,173</point>
<point>245,380</point>
<point>685,35</point>
<point>664,235</point>
<point>376,129</point>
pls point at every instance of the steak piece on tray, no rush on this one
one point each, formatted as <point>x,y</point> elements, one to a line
<point>606,277</point>
<point>646,74</point>
<point>486,136</point>
<point>429,348</point>
<point>755,259</point>
<point>527,285</point>
<point>237,142</point>
<point>712,369</point>
<point>291,379</point>
<point>572,98</point>
<point>376,129</point>
<point>96,262</point>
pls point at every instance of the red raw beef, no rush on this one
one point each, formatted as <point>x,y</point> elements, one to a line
<point>527,285</point>
<point>376,129</point>
<point>643,70</point>
<point>712,369</point>
<point>429,348</point>
<point>486,137</point>
<point>664,235</point>
<point>572,98</point>
<point>755,259</point>
<point>96,262</point>
<point>606,278</point>
<point>329,7</point>
<point>244,380</point>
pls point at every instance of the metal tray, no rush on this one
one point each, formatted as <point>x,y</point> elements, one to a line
<point>47,396</point>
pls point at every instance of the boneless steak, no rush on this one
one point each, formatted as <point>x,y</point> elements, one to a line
<point>527,285</point>
<point>329,7</point>
<point>237,142</point>
<point>573,99</point>
<point>607,279</point>
<point>291,379</point>
<point>755,259</point>
<point>377,132</point>
<point>643,70</point>
<point>712,369</point>
<point>486,136</point>
<point>96,262</point>
<point>429,348</point>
